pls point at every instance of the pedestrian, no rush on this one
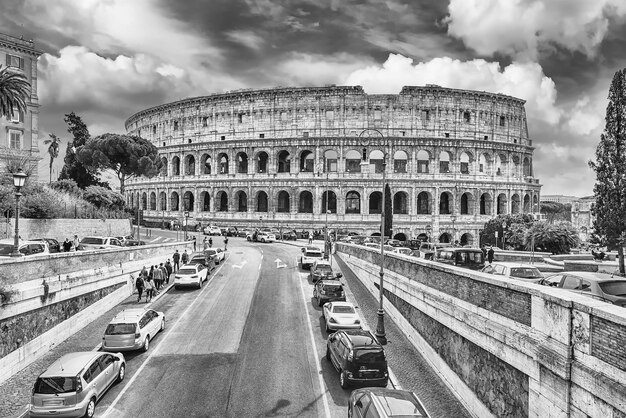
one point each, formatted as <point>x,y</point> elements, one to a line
<point>157,277</point>
<point>205,243</point>
<point>139,284</point>
<point>185,257</point>
<point>194,244</point>
<point>490,255</point>
<point>210,242</point>
<point>76,243</point>
<point>149,285</point>
<point>176,259</point>
<point>164,275</point>
<point>168,267</point>
<point>311,236</point>
<point>225,243</point>
<point>67,245</point>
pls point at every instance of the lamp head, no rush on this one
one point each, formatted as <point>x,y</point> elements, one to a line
<point>19,178</point>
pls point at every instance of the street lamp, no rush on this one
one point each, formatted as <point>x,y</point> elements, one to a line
<point>380,326</point>
<point>19,179</point>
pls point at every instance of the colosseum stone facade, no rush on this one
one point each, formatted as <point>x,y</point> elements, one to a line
<point>293,157</point>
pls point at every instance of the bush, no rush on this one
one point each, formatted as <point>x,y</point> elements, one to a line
<point>41,205</point>
<point>101,197</point>
<point>556,238</point>
<point>66,185</point>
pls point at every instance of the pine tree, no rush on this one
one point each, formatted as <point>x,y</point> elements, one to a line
<point>610,166</point>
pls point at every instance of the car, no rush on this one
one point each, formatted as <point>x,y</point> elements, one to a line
<point>600,286</point>
<point>393,243</point>
<point>217,254</point>
<point>358,357</point>
<point>513,270</point>
<point>385,403</point>
<point>372,245</point>
<point>133,243</point>
<point>471,258</point>
<point>190,274</point>
<point>25,248</point>
<point>321,269</point>
<point>73,384</point>
<point>340,315</point>
<point>328,291</point>
<point>309,256</point>
<point>212,230</point>
<point>403,250</point>
<point>263,236</point>
<point>204,259</point>
<point>231,231</point>
<point>290,236</point>
<point>428,249</point>
<point>100,243</point>
<point>132,329</point>
<point>243,233</point>
<point>124,238</point>
<point>53,245</point>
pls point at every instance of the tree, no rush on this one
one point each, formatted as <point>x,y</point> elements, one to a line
<point>128,156</point>
<point>555,211</point>
<point>74,169</point>
<point>53,150</point>
<point>610,167</point>
<point>556,238</point>
<point>388,212</point>
<point>101,197</point>
<point>14,92</point>
<point>512,227</point>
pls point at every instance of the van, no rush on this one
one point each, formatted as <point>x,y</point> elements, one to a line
<point>471,258</point>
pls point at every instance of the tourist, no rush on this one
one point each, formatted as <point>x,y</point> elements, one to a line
<point>176,258</point>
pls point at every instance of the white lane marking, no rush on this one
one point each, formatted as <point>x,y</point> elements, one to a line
<point>317,359</point>
<point>153,352</point>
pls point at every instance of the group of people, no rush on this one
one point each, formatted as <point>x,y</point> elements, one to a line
<point>153,280</point>
<point>69,245</point>
<point>488,253</point>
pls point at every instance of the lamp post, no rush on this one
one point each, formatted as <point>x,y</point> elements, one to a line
<point>380,326</point>
<point>186,213</point>
<point>503,229</point>
<point>327,247</point>
<point>19,179</point>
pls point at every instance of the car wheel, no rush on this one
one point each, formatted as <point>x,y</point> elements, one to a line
<point>91,408</point>
<point>199,284</point>
<point>176,287</point>
<point>263,240</point>
<point>343,380</point>
<point>162,324</point>
<point>248,239</point>
<point>327,353</point>
<point>121,374</point>
<point>146,344</point>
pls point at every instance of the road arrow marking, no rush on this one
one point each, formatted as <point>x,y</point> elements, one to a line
<point>279,264</point>
<point>240,266</point>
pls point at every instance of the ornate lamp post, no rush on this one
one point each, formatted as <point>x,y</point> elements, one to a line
<point>19,179</point>
<point>380,326</point>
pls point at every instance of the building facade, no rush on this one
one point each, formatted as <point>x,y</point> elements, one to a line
<point>19,134</point>
<point>298,157</point>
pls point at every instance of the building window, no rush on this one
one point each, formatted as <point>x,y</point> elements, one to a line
<point>17,115</point>
<point>447,135</point>
<point>467,117</point>
<point>330,114</point>
<point>175,125</point>
<point>444,166</point>
<point>15,139</point>
<point>222,137</point>
<point>15,61</point>
<point>425,115</point>
<point>154,130</point>
<point>283,116</point>
<point>422,166</point>
<point>205,122</point>
<point>378,115</point>
<point>464,168</point>
<point>261,136</point>
<point>502,121</point>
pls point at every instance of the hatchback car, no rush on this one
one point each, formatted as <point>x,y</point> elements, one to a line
<point>518,271</point>
<point>309,256</point>
<point>217,254</point>
<point>53,245</point>
<point>600,286</point>
<point>328,291</point>
<point>190,275</point>
<point>385,403</point>
<point>25,248</point>
<point>264,236</point>
<point>403,250</point>
<point>212,230</point>
<point>340,315</point>
<point>358,357</point>
<point>133,329</point>
<point>321,269</point>
<point>205,259</point>
<point>100,243</point>
<point>71,386</point>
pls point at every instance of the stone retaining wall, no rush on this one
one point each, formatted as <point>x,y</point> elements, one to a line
<point>60,229</point>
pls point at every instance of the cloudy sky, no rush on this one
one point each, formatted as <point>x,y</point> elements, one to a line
<point>107,59</point>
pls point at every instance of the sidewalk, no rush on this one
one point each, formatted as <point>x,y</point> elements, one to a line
<point>15,393</point>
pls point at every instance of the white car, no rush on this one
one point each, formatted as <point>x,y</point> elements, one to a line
<point>403,250</point>
<point>25,248</point>
<point>100,243</point>
<point>309,256</point>
<point>217,254</point>
<point>212,230</point>
<point>190,275</point>
<point>263,236</point>
<point>340,315</point>
<point>132,329</point>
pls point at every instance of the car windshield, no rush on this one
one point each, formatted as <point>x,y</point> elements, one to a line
<point>92,240</point>
<point>120,329</point>
<point>332,287</point>
<point>313,254</point>
<point>525,272</point>
<point>400,404</point>
<point>343,309</point>
<point>187,271</point>
<point>370,356</point>
<point>324,269</point>
<point>469,257</point>
<point>53,385</point>
<point>6,249</point>
<point>616,288</point>
<point>210,252</point>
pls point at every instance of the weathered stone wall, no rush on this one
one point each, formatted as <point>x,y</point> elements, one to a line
<point>60,229</point>
<point>507,349</point>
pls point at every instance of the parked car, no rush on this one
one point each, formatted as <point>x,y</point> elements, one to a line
<point>124,238</point>
<point>53,245</point>
<point>393,242</point>
<point>340,315</point>
<point>385,403</point>
<point>428,249</point>
<point>518,271</point>
<point>212,230</point>
<point>263,236</point>
<point>471,258</point>
<point>309,256</point>
<point>190,275</point>
<point>133,329</point>
<point>600,286</point>
<point>217,254</point>
<point>25,248</point>
<point>358,357</point>
<point>328,291</point>
<point>243,233</point>
<point>100,243</point>
<point>321,269</point>
<point>202,258</point>
<point>403,250</point>
<point>231,231</point>
<point>71,386</point>
<point>290,236</point>
<point>133,243</point>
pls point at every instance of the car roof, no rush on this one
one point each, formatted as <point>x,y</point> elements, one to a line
<point>594,276</point>
<point>70,364</point>
<point>330,281</point>
<point>324,262</point>
<point>333,304</point>
<point>361,338</point>
<point>382,395</point>
<point>513,264</point>
<point>128,315</point>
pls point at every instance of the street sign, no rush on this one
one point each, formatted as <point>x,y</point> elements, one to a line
<point>186,214</point>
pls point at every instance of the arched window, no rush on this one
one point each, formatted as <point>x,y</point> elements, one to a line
<point>222,201</point>
<point>188,201</point>
<point>162,201</point>
<point>377,158</point>
<point>375,203</point>
<point>242,201</point>
<point>261,202</point>
<point>515,204</point>
<point>353,161</point>
<point>144,201</point>
<point>262,162</point>
<point>526,167</point>
<point>132,200</point>
<point>467,204</point>
<point>465,163</point>
<point>153,202</point>
<point>400,160</point>
<point>400,203</point>
<point>206,163</point>
<point>444,162</point>
<point>305,203</point>
<point>176,166</point>
<point>332,202</point>
<point>444,204</point>
<point>467,239</point>
<point>307,158</point>
<point>501,204</point>
<point>445,238</point>
<point>242,163</point>
<point>283,202</point>
<point>331,161</point>
<point>483,164</point>
<point>174,201</point>
<point>163,171</point>
<point>423,159</point>
<point>223,161</point>
<point>485,204</point>
<point>499,165</point>
<point>423,204</point>
<point>205,199</point>
<point>527,204</point>
<point>190,165</point>
<point>353,202</point>
<point>284,162</point>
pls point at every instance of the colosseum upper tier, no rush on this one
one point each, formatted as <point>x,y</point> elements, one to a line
<point>297,158</point>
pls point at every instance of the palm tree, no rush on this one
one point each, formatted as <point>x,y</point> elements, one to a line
<point>14,91</point>
<point>53,150</point>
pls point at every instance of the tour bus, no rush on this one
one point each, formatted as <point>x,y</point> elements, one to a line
<point>471,258</point>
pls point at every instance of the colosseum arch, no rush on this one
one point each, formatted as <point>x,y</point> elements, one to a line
<point>242,162</point>
<point>221,201</point>
<point>305,202</point>
<point>307,161</point>
<point>162,201</point>
<point>241,201</point>
<point>515,204</point>
<point>535,203</point>
<point>527,208</point>
<point>465,160</point>
<point>261,202</point>
<point>188,201</point>
<point>485,204</point>
<point>175,166</point>
<point>332,201</point>
<point>526,167</point>
<point>353,161</point>
<point>445,203</point>
<point>283,202</point>
<point>445,238</point>
<point>331,158</point>
<point>205,201</point>
<point>153,201</point>
<point>377,158</point>
<point>444,162</point>
<point>501,204</point>
<point>424,203</point>
<point>467,204</point>
<point>423,161</point>
<point>132,200</point>
<point>400,162</point>
<point>190,165</point>
<point>262,159</point>
<point>222,159</point>
<point>401,203</point>
<point>353,202</point>
<point>375,203</point>
<point>484,164</point>
<point>144,201</point>
<point>284,162</point>
<point>163,170</point>
<point>205,163</point>
<point>500,165</point>
<point>174,202</point>
<point>467,239</point>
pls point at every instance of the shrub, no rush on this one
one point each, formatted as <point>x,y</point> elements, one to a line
<point>101,197</point>
<point>66,185</point>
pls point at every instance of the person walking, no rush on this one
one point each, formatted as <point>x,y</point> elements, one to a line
<point>194,244</point>
<point>205,244</point>
<point>139,284</point>
<point>225,243</point>
<point>149,284</point>
<point>210,242</point>
<point>157,277</point>
<point>76,243</point>
<point>67,245</point>
<point>176,259</point>
<point>490,255</point>
<point>168,267</point>
<point>311,236</point>
<point>185,257</point>
<point>164,275</point>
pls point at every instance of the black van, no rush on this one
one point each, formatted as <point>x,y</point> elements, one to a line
<point>471,258</point>
<point>358,357</point>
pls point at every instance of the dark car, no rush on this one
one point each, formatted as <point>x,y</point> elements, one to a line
<point>290,236</point>
<point>133,243</point>
<point>53,245</point>
<point>321,269</point>
<point>231,231</point>
<point>471,258</point>
<point>204,259</point>
<point>328,291</point>
<point>385,403</point>
<point>358,357</point>
<point>600,286</point>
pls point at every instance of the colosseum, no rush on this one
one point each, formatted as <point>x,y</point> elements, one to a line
<point>294,158</point>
